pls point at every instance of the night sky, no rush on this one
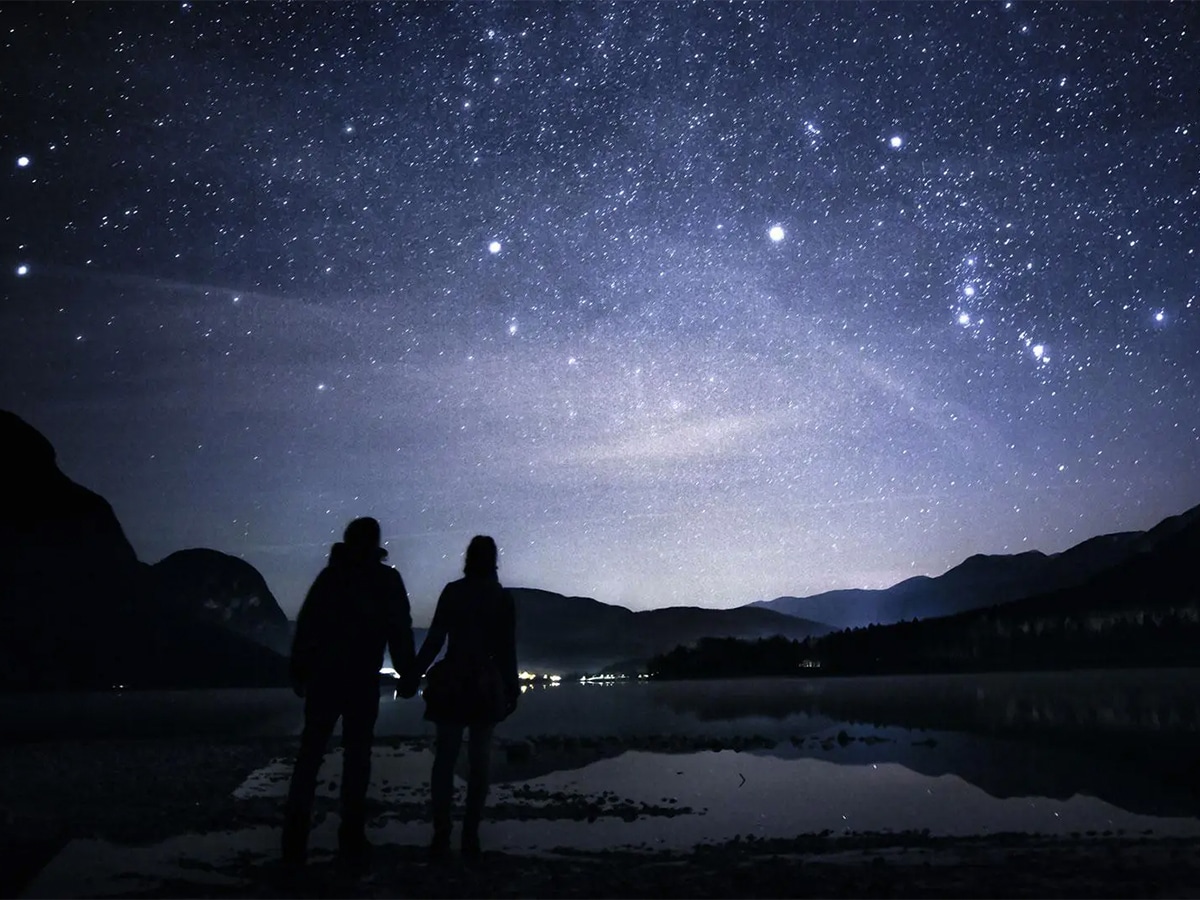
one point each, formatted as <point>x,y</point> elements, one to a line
<point>683,303</point>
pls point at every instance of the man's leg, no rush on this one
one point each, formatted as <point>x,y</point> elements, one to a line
<point>358,731</point>
<point>449,740</point>
<point>479,752</point>
<point>320,715</point>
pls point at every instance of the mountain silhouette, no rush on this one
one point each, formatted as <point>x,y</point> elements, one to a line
<point>558,633</point>
<point>77,608</point>
<point>1144,610</point>
<point>978,582</point>
<point>1159,578</point>
<point>215,587</point>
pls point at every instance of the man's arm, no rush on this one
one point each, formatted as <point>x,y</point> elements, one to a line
<point>508,661</point>
<point>399,627</point>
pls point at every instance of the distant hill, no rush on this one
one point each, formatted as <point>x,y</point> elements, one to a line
<point>979,581</point>
<point>1142,611</point>
<point>556,633</point>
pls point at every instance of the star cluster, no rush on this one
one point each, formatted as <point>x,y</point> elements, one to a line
<point>684,303</point>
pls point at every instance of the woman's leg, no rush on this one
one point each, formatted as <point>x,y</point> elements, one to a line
<point>449,740</point>
<point>479,752</point>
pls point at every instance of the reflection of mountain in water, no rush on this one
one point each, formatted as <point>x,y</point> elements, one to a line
<point>1141,700</point>
<point>1130,738</point>
<point>524,760</point>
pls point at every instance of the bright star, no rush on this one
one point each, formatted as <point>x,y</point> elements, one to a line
<point>964,319</point>
<point>22,269</point>
<point>512,327</point>
<point>896,142</point>
<point>22,161</point>
<point>969,290</point>
<point>1160,316</point>
<point>1039,351</point>
<point>494,247</point>
<point>776,233</point>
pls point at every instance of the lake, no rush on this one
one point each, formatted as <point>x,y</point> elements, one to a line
<point>1130,737</point>
<point>649,765</point>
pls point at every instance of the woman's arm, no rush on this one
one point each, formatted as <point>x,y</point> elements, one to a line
<point>436,636</point>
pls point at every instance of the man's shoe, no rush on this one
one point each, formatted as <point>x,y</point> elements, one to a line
<point>439,849</point>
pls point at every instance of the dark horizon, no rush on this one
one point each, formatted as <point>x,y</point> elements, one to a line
<point>691,305</point>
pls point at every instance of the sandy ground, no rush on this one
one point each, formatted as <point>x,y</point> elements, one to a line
<point>187,818</point>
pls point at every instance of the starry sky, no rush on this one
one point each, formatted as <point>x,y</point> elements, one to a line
<point>684,303</point>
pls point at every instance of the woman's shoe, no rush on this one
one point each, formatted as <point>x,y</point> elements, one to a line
<point>354,855</point>
<point>470,844</point>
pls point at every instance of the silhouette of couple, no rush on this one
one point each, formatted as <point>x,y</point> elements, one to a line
<point>356,605</point>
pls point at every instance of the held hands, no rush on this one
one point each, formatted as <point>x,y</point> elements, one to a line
<point>409,682</point>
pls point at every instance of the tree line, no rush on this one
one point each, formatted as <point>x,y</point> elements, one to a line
<point>996,639</point>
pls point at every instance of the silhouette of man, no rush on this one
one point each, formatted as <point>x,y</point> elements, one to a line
<point>356,605</point>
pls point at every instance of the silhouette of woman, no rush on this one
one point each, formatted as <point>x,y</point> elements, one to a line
<point>473,687</point>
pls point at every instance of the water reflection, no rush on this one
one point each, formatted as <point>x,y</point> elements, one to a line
<point>639,798</point>
<point>1129,738</point>
<point>672,765</point>
<point>1142,701</point>
<point>633,800</point>
<point>724,794</point>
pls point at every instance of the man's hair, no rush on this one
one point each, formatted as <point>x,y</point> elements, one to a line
<point>362,533</point>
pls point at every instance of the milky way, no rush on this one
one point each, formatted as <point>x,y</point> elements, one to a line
<point>684,304</point>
